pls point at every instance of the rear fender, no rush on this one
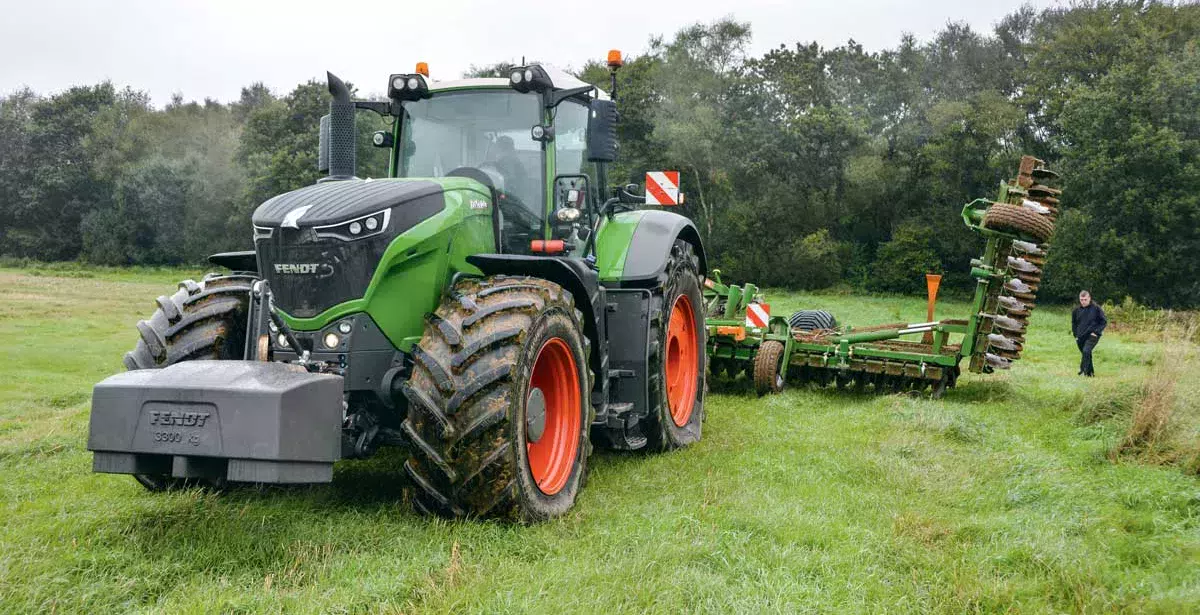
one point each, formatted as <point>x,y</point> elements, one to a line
<point>640,257</point>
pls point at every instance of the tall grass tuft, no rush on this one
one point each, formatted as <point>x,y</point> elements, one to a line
<point>1164,427</point>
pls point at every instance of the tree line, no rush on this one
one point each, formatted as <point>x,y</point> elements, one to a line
<point>805,166</point>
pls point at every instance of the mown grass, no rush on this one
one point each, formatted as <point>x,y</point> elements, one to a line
<point>1001,497</point>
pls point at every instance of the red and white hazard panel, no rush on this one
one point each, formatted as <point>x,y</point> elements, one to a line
<point>662,187</point>
<point>757,315</point>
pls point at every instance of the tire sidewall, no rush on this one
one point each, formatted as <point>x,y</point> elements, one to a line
<point>537,506</point>
<point>682,281</point>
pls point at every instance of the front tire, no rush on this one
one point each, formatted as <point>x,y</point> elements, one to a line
<point>677,354</point>
<point>499,408</point>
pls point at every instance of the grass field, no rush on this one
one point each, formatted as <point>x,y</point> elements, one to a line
<point>1001,497</point>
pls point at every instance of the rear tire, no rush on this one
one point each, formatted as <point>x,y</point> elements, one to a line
<point>202,320</point>
<point>494,349</point>
<point>677,354</point>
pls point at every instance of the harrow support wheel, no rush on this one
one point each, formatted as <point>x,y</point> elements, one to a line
<point>812,320</point>
<point>1009,218</point>
<point>499,408</point>
<point>767,367</point>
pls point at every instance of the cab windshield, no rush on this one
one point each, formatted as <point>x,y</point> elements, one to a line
<point>481,129</point>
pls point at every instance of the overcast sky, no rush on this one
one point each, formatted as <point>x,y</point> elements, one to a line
<point>213,47</point>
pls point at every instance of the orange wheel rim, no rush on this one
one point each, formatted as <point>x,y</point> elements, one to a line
<point>683,365</point>
<point>552,456</point>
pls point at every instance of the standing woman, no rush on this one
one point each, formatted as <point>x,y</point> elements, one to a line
<point>1087,324</point>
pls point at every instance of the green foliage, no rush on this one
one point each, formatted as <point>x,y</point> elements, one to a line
<point>150,220</point>
<point>798,156</point>
<point>817,261</point>
<point>901,263</point>
<point>1129,316</point>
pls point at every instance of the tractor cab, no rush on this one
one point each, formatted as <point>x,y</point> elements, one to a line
<point>525,137</point>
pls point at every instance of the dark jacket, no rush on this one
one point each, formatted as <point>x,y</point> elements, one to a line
<point>1088,320</point>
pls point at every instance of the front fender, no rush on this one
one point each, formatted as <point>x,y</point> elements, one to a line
<point>237,261</point>
<point>572,274</point>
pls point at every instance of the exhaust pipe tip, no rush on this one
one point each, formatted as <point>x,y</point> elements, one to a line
<point>337,88</point>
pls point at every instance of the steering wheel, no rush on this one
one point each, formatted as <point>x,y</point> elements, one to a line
<point>510,206</point>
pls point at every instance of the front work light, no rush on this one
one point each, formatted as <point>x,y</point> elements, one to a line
<point>407,87</point>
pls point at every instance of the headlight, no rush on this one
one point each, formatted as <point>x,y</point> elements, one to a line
<point>397,83</point>
<point>331,340</point>
<point>413,83</point>
<point>282,340</point>
<point>517,76</point>
<point>567,214</point>
<point>344,327</point>
<point>358,228</point>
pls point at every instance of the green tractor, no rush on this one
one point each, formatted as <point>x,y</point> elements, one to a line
<point>492,307</point>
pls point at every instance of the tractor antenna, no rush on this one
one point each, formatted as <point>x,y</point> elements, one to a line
<point>614,63</point>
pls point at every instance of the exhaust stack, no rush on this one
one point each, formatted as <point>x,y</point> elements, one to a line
<point>338,150</point>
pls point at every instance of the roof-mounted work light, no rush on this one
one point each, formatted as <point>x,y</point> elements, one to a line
<point>408,87</point>
<point>532,78</point>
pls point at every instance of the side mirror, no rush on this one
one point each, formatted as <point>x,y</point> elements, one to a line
<point>602,131</point>
<point>630,194</point>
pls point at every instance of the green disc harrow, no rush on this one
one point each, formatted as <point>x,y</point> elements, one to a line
<point>925,356</point>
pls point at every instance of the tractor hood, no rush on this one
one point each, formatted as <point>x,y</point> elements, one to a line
<point>319,246</point>
<point>334,202</point>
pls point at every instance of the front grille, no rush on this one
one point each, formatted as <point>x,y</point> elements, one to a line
<point>309,275</point>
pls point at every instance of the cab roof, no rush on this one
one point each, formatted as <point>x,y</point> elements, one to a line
<point>561,79</point>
